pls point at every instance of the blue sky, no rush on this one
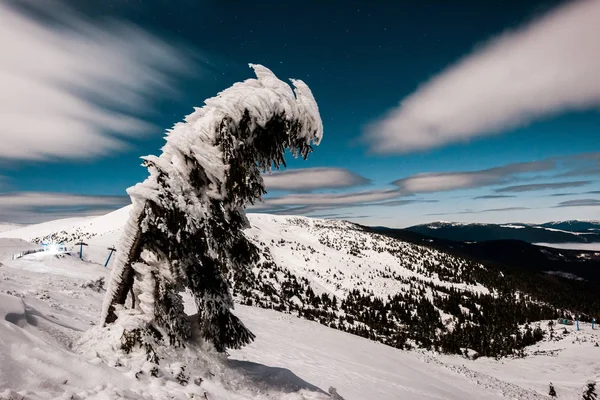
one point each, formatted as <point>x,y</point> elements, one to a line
<point>468,111</point>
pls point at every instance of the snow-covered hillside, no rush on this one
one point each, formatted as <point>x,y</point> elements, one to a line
<point>45,307</point>
<point>336,256</point>
<point>48,301</point>
<point>4,226</point>
<point>343,276</point>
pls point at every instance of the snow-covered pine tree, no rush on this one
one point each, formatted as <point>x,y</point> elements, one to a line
<point>589,393</point>
<point>552,391</point>
<point>185,226</point>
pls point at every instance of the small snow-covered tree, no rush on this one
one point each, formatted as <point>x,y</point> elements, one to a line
<point>185,226</point>
<point>552,391</point>
<point>589,393</point>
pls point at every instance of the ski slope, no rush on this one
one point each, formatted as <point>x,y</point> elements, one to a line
<point>45,309</point>
<point>4,226</point>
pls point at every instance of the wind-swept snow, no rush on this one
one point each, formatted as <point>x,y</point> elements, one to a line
<point>4,226</point>
<point>358,368</point>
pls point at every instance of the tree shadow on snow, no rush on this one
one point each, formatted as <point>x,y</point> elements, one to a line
<point>272,378</point>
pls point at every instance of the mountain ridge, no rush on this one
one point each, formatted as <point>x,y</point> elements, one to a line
<point>549,232</point>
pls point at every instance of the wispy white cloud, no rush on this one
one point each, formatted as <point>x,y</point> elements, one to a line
<point>337,199</point>
<point>313,178</point>
<point>584,164</point>
<point>580,203</point>
<point>73,87</point>
<point>550,66</point>
<point>489,210</point>
<point>541,186</point>
<point>445,181</point>
<point>492,196</point>
<point>49,199</point>
<point>30,207</point>
<point>309,203</point>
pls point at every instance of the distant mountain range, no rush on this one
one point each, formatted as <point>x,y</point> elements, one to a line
<point>550,232</point>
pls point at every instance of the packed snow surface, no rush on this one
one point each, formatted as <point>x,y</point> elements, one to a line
<point>4,226</point>
<point>47,302</point>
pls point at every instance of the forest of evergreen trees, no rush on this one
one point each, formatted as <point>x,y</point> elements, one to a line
<point>495,324</point>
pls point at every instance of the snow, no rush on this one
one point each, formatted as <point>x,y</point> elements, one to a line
<point>5,227</point>
<point>358,368</point>
<point>45,312</point>
<point>337,270</point>
<point>29,232</point>
<point>574,246</point>
<point>329,270</point>
<point>562,231</point>
<point>568,362</point>
<point>10,247</point>
<point>563,274</point>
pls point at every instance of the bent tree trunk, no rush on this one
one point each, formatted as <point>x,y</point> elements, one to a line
<point>122,278</point>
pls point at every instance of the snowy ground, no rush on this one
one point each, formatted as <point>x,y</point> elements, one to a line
<point>572,246</point>
<point>44,311</point>
<point>5,227</point>
<point>568,361</point>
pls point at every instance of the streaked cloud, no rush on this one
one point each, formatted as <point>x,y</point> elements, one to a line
<point>579,203</point>
<point>338,199</point>
<point>32,207</point>
<point>340,216</point>
<point>549,66</point>
<point>64,77</point>
<point>562,194</point>
<point>489,210</point>
<point>308,203</point>
<point>542,186</point>
<point>444,181</point>
<point>313,178</point>
<point>493,196</point>
<point>395,203</point>
<point>585,164</point>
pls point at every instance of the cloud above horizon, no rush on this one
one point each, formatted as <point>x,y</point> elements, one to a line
<point>542,186</point>
<point>503,182</point>
<point>445,181</point>
<point>493,196</point>
<point>332,199</point>
<point>313,178</point>
<point>64,77</point>
<point>489,210</point>
<point>579,203</point>
<point>307,203</point>
<point>549,66</point>
<point>33,207</point>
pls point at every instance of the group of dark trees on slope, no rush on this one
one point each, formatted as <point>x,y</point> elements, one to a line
<point>589,391</point>
<point>186,232</point>
<point>490,324</point>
